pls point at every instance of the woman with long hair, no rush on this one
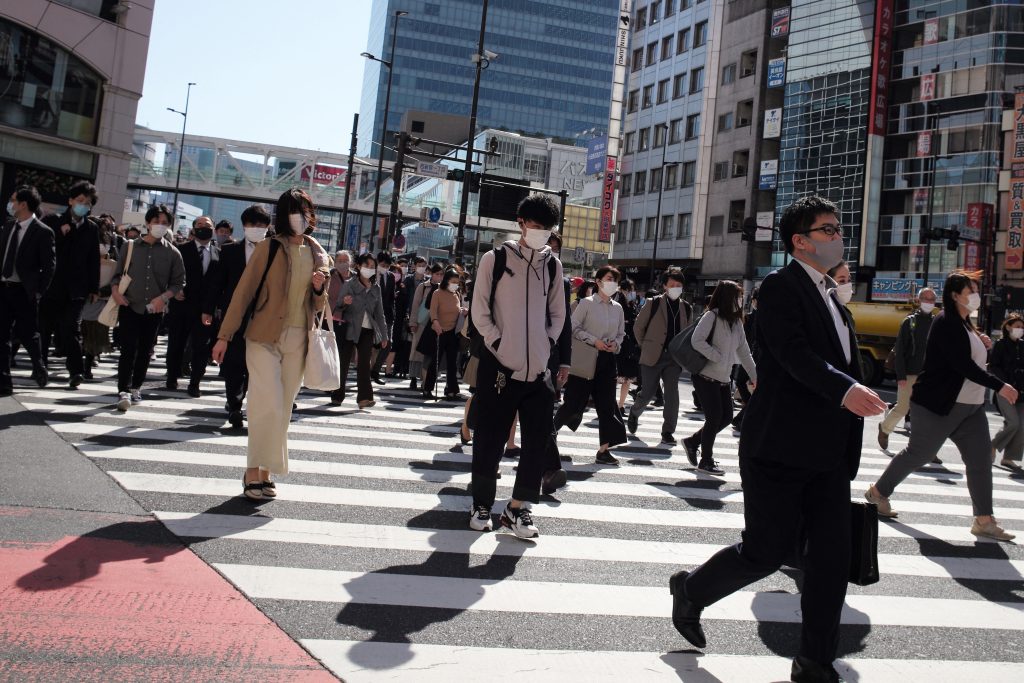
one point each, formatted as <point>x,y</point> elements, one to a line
<point>361,304</point>
<point>628,360</point>
<point>290,271</point>
<point>948,402</point>
<point>719,337</point>
<point>1007,363</point>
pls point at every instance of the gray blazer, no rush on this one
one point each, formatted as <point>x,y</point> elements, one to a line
<point>364,301</point>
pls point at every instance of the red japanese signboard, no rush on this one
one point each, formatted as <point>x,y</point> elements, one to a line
<point>1017,153</point>
<point>931,31</point>
<point>880,64</point>
<point>927,87</point>
<point>924,143</point>
<point>607,201</point>
<point>972,256</point>
<point>1015,226</point>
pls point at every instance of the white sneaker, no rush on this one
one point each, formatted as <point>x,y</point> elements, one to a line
<point>480,519</point>
<point>124,401</point>
<point>519,521</point>
<point>136,396</point>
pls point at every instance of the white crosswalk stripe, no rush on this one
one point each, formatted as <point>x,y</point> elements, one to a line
<point>366,558</point>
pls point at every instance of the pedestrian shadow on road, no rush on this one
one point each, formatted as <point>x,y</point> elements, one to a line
<point>392,616</point>
<point>706,497</point>
<point>1003,588</point>
<point>84,557</point>
<point>687,667</point>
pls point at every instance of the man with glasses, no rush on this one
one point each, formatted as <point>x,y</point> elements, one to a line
<point>795,488</point>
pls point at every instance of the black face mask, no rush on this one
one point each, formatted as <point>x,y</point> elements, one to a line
<point>203,233</point>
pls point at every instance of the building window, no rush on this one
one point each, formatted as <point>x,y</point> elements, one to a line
<point>432,9</point>
<point>655,12</point>
<point>663,91</point>
<point>656,174</point>
<point>715,225</point>
<point>675,131</point>
<point>641,18</point>
<point>659,135</point>
<point>748,63</point>
<point>639,182</point>
<point>622,231</point>
<point>666,227</point>
<point>700,33</point>
<point>696,80</point>
<point>728,73</point>
<point>648,93</point>
<point>683,41</point>
<point>671,177</point>
<point>666,47</point>
<point>692,126</point>
<point>634,101</point>
<point>634,232</point>
<point>689,173</point>
<point>740,161</point>
<point>720,171</point>
<point>744,113</point>
<point>644,143</point>
<point>670,8</point>
<point>417,126</point>
<point>625,185</point>
<point>652,53</point>
<point>679,86</point>
<point>736,210</point>
<point>630,139</point>
<point>684,226</point>
<point>685,4</point>
<point>724,122</point>
<point>638,59</point>
<point>652,225</point>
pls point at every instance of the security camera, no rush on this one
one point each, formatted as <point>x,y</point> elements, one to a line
<point>490,55</point>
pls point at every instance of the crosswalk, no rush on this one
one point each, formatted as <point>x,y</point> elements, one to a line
<point>365,558</point>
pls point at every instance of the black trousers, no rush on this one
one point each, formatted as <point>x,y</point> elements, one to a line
<point>495,410</point>
<point>19,314</point>
<point>447,346</point>
<point>138,338</point>
<point>235,373</point>
<point>778,501</point>
<point>63,325</point>
<point>578,391</point>
<point>364,388</point>
<point>184,325</point>
<point>716,401</point>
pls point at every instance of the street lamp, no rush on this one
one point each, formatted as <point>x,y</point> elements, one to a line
<point>661,193</point>
<point>389,64</point>
<point>181,151</point>
<point>482,59</point>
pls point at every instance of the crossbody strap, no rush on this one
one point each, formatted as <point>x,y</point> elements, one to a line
<point>251,310</point>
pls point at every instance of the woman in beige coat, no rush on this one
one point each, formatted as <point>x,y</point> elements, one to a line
<point>276,334</point>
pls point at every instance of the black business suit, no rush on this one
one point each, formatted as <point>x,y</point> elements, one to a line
<point>798,452</point>
<point>222,288</point>
<point>387,291</point>
<point>34,265</point>
<point>184,320</point>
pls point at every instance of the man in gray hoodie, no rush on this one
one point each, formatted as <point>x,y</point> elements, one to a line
<point>520,317</point>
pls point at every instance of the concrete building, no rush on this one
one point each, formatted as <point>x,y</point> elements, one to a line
<point>71,75</point>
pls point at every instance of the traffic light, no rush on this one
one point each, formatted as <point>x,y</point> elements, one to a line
<point>402,148</point>
<point>954,240</point>
<point>459,175</point>
<point>749,229</point>
<point>474,182</point>
<point>456,174</point>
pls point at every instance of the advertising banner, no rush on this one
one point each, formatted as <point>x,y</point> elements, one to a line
<point>927,87</point>
<point>597,151</point>
<point>921,200</point>
<point>780,22</point>
<point>972,256</point>
<point>1014,259</point>
<point>764,221</point>
<point>772,123</point>
<point>607,201</point>
<point>324,174</point>
<point>931,31</point>
<point>880,64</point>
<point>1017,153</point>
<point>899,290</point>
<point>776,72</point>
<point>768,180</point>
<point>924,143</point>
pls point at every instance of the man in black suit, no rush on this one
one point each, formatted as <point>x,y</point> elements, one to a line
<point>185,320</point>
<point>76,278</point>
<point>233,259</point>
<point>799,448</point>
<point>27,262</point>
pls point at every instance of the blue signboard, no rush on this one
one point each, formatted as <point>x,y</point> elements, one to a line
<point>597,150</point>
<point>352,239</point>
<point>768,178</point>
<point>899,290</point>
<point>776,72</point>
<point>435,214</point>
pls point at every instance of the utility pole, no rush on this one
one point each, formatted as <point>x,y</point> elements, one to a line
<point>181,152</point>
<point>396,175</point>
<point>343,230</point>
<point>480,60</point>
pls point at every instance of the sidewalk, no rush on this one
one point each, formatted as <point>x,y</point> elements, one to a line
<point>94,589</point>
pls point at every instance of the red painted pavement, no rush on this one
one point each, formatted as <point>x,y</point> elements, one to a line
<point>92,609</point>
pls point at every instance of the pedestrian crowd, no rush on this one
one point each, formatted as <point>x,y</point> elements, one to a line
<point>534,350</point>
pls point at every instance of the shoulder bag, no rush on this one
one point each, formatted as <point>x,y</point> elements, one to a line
<point>682,351</point>
<point>323,363</point>
<point>108,316</point>
<point>584,359</point>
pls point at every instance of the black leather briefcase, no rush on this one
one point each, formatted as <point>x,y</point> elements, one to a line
<point>864,543</point>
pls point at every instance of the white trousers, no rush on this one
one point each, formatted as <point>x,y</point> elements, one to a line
<point>275,375</point>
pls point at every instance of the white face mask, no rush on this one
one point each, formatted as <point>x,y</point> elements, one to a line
<point>453,286</point>
<point>420,270</point>
<point>973,302</point>
<point>341,266</point>
<point>609,287</point>
<point>255,235</point>
<point>381,270</point>
<point>367,272</point>
<point>674,292</point>
<point>1016,332</point>
<point>536,238</point>
<point>927,306</point>
<point>157,230</point>
<point>844,292</point>
<point>297,222</point>
<point>104,248</point>
<point>631,296</point>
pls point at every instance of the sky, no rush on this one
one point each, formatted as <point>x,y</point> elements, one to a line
<point>284,73</point>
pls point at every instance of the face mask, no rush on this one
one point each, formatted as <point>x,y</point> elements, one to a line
<point>80,210</point>
<point>631,297</point>
<point>973,302</point>
<point>203,234</point>
<point>453,286</point>
<point>367,272</point>
<point>674,292</point>
<point>381,270</point>
<point>297,222</point>
<point>255,234</point>
<point>927,306</point>
<point>104,248</point>
<point>420,270</point>
<point>844,292</point>
<point>827,254</point>
<point>609,287</point>
<point>158,231</point>
<point>10,208</point>
<point>555,253</point>
<point>341,266</point>
<point>536,238</point>
<point>1016,332</point>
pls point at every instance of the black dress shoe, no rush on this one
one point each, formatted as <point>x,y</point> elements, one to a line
<point>632,423</point>
<point>413,384</point>
<point>193,390</point>
<point>6,390</point>
<point>809,671</point>
<point>42,378</point>
<point>171,385</point>
<point>235,418</point>
<point>685,615</point>
<point>75,381</point>
<point>376,379</point>
<point>87,373</point>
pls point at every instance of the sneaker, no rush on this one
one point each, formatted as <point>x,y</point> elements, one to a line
<point>691,452</point>
<point>124,401</point>
<point>883,439</point>
<point>632,423</point>
<point>991,529</point>
<point>235,419</point>
<point>606,458</point>
<point>884,508</point>
<point>519,521</point>
<point>667,438</point>
<point>553,480</point>
<point>480,519</point>
<point>136,396</point>
<point>710,467</point>
<point>1010,464</point>
<point>75,381</point>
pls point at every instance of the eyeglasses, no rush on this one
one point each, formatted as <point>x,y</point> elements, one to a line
<point>829,229</point>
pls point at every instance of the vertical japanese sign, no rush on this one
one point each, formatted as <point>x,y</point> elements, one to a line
<point>607,201</point>
<point>924,143</point>
<point>772,123</point>
<point>1014,259</point>
<point>880,64</point>
<point>972,256</point>
<point>931,31</point>
<point>927,87</point>
<point>615,121</point>
<point>776,72</point>
<point>780,22</point>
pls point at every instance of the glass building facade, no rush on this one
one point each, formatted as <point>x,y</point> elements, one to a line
<point>552,76</point>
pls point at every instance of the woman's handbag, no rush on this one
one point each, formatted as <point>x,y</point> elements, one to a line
<point>682,351</point>
<point>323,364</point>
<point>584,359</point>
<point>108,316</point>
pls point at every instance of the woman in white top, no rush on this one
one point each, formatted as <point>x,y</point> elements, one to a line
<point>597,321</point>
<point>720,338</point>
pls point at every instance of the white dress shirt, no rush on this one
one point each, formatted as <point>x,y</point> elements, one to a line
<point>819,279</point>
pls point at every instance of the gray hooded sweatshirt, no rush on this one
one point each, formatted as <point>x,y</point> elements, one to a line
<point>518,331</point>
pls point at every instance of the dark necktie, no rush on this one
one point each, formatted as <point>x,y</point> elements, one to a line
<point>12,251</point>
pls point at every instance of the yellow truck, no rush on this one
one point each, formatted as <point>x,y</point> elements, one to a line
<point>877,326</point>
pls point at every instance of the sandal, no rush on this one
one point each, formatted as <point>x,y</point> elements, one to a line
<point>269,490</point>
<point>252,490</point>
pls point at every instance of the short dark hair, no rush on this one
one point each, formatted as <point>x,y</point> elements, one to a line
<point>292,201</point>
<point>86,188</point>
<point>605,270</point>
<point>384,257</point>
<point>256,215</point>
<point>224,223</point>
<point>157,210</point>
<point>196,219</point>
<point>539,208</point>
<point>365,257</point>
<point>557,238</point>
<point>673,274</point>
<point>132,227</point>
<point>799,216</point>
<point>418,260</point>
<point>436,268</point>
<point>29,195</point>
<point>627,284</point>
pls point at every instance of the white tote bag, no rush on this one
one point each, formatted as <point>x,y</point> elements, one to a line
<point>323,364</point>
<point>108,316</point>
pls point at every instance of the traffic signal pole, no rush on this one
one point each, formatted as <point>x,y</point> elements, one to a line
<point>464,205</point>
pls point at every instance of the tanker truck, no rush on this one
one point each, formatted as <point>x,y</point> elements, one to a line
<point>877,326</point>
